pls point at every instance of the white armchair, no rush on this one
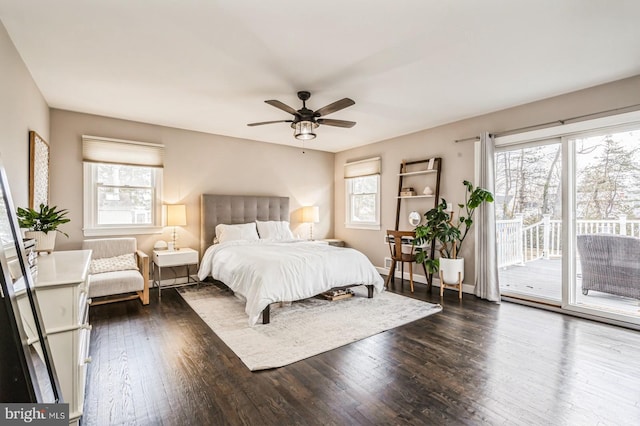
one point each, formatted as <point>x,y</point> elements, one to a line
<point>118,268</point>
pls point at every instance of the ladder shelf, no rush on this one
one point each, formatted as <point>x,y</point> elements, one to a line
<point>435,166</point>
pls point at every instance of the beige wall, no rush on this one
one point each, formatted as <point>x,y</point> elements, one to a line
<point>198,162</point>
<point>195,163</point>
<point>22,108</point>
<point>458,158</point>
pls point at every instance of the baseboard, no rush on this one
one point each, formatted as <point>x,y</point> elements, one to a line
<point>466,288</point>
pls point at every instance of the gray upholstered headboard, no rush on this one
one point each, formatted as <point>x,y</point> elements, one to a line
<point>234,209</point>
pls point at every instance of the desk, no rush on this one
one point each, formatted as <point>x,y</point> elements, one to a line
<point>169,259</point>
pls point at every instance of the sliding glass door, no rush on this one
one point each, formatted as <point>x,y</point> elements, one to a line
<point>528,220</point>
<point>568,222</point>
<point>606,190</point>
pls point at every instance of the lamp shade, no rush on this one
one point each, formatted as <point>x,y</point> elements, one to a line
<point>311,214</point>
<point>303,130</point>
<point>176,215</point>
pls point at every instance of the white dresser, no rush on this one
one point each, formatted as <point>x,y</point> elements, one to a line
<point>62,288</point>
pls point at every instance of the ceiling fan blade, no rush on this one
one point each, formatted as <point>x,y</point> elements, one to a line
<point>336,106</point>
<point>269,122</point>
<point>284,107</point>
<point>337,123</point>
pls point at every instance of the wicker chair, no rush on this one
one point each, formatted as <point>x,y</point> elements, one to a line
<point>610,264</point>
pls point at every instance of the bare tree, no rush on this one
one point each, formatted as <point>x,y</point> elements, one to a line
<point>530,181</point>
<point>606,181</point>
<point>552,180</point>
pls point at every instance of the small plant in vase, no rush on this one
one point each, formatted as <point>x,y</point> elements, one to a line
<point>441,226</point>
<point>42,225</point>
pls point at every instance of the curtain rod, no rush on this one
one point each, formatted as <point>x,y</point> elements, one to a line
<point>576,119</point>
<point>474,138</point>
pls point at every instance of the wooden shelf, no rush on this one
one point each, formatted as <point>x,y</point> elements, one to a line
<point>419,172</point>
<point>415,196</point>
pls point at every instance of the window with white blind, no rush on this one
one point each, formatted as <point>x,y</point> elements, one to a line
<point>122,186</point>
<point>362,189</point>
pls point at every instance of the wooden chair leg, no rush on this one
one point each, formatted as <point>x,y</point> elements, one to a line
<point>411,275</point>
<point>460,285</point>
<point>402,274</point>
<point>392,271</point>
<point>441,285</point>
<point>144,294</point>
<point>143,265</point>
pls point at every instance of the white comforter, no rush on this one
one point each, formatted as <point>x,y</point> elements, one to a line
<point>264,271</point>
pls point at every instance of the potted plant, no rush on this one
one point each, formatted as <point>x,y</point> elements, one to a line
<point>42,225</point>
<point>450,233</point>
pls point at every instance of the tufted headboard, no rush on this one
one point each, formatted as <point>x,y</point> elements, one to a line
<point>234,209</point>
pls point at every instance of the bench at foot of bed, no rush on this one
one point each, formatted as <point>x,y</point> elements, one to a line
<point>266,312</point>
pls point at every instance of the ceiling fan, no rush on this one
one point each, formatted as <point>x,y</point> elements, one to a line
<point>305,120</point>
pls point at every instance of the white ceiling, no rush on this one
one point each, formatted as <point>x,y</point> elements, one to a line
<point>409,65</point>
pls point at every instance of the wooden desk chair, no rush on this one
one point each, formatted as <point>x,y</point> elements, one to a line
<point>395,248</point>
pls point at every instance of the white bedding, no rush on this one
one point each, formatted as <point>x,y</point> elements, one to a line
<point>264,271</point>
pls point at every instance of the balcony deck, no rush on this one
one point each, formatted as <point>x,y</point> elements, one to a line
<point>543,278</point>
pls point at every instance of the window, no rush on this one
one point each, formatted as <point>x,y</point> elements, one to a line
<point>362,188</point>
<point>124,197</point>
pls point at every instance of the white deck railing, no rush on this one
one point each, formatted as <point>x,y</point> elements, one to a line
<point>517,244</point>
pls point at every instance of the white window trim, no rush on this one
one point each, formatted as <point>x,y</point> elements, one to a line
<point>360,225</point>
<point>90,212</point>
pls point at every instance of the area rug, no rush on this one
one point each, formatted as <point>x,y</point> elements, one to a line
<point>304,328</point>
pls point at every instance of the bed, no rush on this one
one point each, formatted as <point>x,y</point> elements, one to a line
<point>270,270</point>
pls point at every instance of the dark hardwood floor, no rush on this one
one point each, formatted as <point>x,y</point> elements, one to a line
<point>474,363</point>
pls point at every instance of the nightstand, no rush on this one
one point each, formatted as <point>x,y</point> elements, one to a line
<point>334,242</point>
<point>169,259</point>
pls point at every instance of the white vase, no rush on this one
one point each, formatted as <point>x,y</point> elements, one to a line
<point>44,242</point>
<point>450,269</point>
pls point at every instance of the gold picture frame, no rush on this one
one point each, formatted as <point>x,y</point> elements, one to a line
<point>38,170</point>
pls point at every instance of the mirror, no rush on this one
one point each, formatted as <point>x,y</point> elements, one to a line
<point>20,303</point>
<point>415,218</point>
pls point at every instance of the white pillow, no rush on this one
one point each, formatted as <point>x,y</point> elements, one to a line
<point>274,230</point>
<point>124,262</point>
<point>245,232</point>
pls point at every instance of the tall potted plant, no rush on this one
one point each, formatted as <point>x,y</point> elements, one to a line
<point>42,225</point>
<point>449,232</point>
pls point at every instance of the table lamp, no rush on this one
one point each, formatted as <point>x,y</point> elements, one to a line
<point>311,215</point>
<point>176,216</point>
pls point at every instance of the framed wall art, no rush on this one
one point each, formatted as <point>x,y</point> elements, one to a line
<point>38,171</point>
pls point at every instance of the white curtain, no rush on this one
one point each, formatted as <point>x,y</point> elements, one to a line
<point>487,285</point>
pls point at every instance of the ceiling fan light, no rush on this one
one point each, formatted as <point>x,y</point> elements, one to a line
<point>303,130</point>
